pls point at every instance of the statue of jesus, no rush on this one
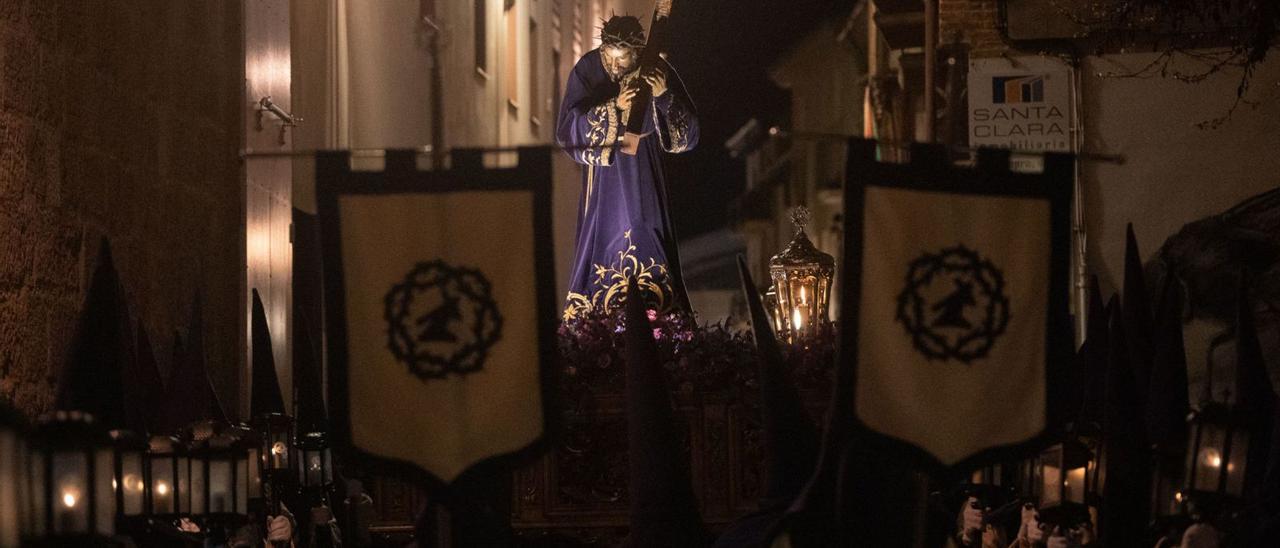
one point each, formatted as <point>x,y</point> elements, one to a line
<point>624,229</point>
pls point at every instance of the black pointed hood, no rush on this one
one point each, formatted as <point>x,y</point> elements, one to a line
<point>790,438</point>
<point>1137,316</point>
<point>149,386</point>
<point>1255,398</point>
<point>190,396</point>
<point>308,377</point>
<point>265,396</point>
<point>101,350</point>
<point>663,508</point>
<point>1168,402</point>
<point>1126,495</point>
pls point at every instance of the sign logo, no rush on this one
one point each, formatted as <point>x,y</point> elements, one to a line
<point>953,305</point>
<point>442,319</point>
<point>1017,89</point>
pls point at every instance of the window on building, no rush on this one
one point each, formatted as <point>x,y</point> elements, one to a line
<point>535,98</point>
<point>511,68</point>
<point>480,25</point>
<point>579,14</point>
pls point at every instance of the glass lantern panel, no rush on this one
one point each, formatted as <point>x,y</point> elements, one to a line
<point>39,524</point>
<point>328,466</point>
<point>802,312</point>
<point>199,488</point>
<point>23,483</point>
<point>243,483</point>
<point>278,459</point>
<point>1074,485</point>
<point>69,489</point>
<point>255,473</point>
<point>1050,483</point>
<point>221,489</point>
<point>9,528</point>
<point>315,468</point>
<point>1208,458</point>
<point>104,494</point>
<point>162,495</point>
<point>1236,463</point>
<point>132,484</point>
<point>183,505</point>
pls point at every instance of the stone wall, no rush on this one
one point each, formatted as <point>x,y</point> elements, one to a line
<point>118,120</point>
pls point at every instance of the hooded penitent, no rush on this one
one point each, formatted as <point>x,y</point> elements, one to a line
<point>790,438</point>
<point>102,349</point>
<point>663,509</point>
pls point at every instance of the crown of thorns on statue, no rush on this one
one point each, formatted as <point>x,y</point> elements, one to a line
<point>622,31</point>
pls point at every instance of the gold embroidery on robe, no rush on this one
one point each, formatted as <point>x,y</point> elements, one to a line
<point>602,131</point>
<point>651,278</point>
<point>677,128</point>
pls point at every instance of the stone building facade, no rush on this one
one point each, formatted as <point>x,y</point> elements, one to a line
<point>118,120</point>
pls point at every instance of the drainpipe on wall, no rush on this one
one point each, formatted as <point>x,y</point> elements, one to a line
<point>1077,213</point>
<point>427,11</point>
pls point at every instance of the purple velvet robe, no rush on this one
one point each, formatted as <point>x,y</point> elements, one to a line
<point>623,226</point>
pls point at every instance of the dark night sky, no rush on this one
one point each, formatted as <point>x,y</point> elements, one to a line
<point>722,50</point>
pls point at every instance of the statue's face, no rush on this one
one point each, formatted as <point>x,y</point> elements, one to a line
<point>618,61</point>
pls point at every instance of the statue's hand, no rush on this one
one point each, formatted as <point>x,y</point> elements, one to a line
<point>657,79</point>
<point>625,96</point>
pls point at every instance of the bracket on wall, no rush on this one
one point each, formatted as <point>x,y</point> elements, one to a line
<point>289,120</point>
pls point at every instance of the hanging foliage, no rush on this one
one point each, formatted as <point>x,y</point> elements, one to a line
<point>1194,39</point>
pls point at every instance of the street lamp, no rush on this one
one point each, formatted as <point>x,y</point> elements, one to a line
<point>802,278</point>
<point>72,468</point>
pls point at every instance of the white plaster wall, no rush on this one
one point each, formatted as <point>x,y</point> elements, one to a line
<point>1173,172</point>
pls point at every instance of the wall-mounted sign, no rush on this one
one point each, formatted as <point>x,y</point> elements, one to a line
<point>1021,103</point>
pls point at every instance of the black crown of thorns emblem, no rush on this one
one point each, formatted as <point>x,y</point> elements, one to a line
<point>441,320</point>
<point>953,305</point>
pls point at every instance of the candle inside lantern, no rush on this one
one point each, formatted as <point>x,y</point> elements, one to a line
<point>162,498</point>
<point>1074,485</point>
<point>279,454</point>
<point>67,515</point>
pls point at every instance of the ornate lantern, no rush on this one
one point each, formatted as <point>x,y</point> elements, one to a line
<point>129,478</point>
<point>316,470</point>
<point>1217,456</point>
<point>1065,471</point>
<point>220,478</point>
<point>276,430</point>
<point>169,469</point>
<point>72,467</point>
<point>13,478</point>
<point>802,278</point>
<point>252,443</point>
